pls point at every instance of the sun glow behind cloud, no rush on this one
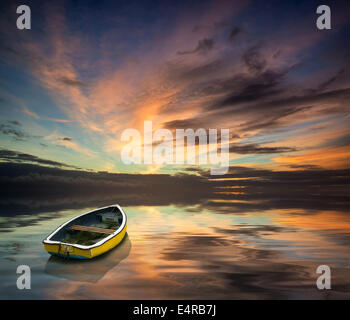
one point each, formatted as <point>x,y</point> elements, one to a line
<point>205,69</point>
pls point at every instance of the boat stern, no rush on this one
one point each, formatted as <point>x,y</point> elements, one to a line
<point>67,251</point>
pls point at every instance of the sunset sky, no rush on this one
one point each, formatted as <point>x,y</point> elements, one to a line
<point>87,70</point>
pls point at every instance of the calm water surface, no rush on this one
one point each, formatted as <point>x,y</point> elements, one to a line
<point>174,252</point>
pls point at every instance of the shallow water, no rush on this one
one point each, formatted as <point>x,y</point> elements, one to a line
<point>174,252</point>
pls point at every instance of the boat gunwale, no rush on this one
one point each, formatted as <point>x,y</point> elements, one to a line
<point>79,246</point>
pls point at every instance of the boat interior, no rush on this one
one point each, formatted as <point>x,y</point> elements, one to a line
<point>90,228</point>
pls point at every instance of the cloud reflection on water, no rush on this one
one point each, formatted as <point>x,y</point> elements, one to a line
<point>190,240</point>
<point>189,255</point>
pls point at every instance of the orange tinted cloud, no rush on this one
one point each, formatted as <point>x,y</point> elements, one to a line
<point>330,158</point>
<point>173,83</point>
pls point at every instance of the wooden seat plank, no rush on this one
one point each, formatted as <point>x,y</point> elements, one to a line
<point>92,229</point>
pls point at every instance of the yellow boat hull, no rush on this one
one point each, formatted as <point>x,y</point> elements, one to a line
<point>70,251</point>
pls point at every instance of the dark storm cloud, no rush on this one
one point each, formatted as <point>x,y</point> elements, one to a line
<point>207,81</point>
<point>184,124</point>
<point>203,46</point>
<point>304,166</point>
<point>196,170</point>
<point>260,97</point>
<point>234,33</point>
<point>196,73</point>
<point>275,110</point>
<point>265,100</point>
<point>339,96</point>
<point>197,81</point>
<point>312,176</point>
<point>257,149</point>
<point>238,95</point>
<point>324,85</point>
<point>72,82</point>
<point>34,188</point>
<point>19,157</point>
<point>15,123</point>
<point>242,89</point>
<point>13,132</point>
<point>254,60</point>
<point>273,119</point>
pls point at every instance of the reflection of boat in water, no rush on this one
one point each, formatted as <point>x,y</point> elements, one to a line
<point>89,234</point>
<point>88,271</point>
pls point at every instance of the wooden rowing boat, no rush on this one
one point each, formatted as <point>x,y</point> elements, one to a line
<point>89,234</point>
